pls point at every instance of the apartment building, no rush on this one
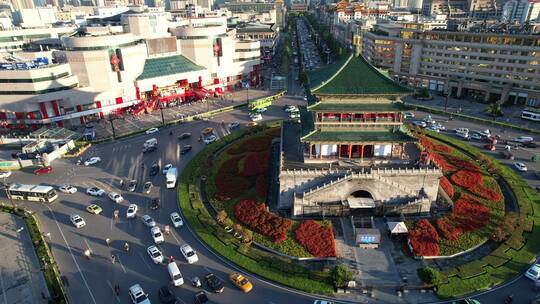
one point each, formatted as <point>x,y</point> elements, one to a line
<point>489,67</point>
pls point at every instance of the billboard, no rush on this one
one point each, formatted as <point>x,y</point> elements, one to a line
<point>163,45</point>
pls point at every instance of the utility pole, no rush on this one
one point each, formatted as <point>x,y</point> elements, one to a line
<point>111,119</point>
<point>161,110</point>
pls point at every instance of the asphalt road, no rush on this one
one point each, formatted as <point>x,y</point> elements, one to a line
<point>92,281</point>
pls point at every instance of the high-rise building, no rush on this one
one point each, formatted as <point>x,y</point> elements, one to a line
<point>521,11</point>
<point>22,4</point>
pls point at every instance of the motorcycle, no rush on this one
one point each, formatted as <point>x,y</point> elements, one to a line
<point>126,247</point>
<point>196,282</point>
<point>170,133</point>
<point>509,299</point>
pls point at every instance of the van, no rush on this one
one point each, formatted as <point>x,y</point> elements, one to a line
<point>176,275</point>
<point>151,142</point>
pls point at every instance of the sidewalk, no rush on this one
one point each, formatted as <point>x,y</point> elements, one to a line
<point>21,280</point>
<point>130,124</point>
<point>512,114</point>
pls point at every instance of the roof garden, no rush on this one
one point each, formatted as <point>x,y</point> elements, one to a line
<point>358,77</point>
<point>165,66</point>
<point>358,137</point>
<point>357,107</point>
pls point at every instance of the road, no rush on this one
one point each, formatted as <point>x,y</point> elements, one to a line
<point>91,281</point>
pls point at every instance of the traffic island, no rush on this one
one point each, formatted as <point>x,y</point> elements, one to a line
<point>264,264</point>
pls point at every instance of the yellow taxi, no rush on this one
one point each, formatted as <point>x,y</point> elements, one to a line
<point>251,124</point>
<point>241,282</point>
<point>207,131</point>
<point>94,209</point>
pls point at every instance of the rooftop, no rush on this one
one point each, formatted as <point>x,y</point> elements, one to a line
<point>316,77</point>
<point>55,133</point>
<point>164,66</point>
<point>357,77</point>
<point>356,107</point>
<point>357,137</point>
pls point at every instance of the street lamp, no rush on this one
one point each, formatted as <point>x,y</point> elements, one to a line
<point>161,110</point>
<point>111,119</point>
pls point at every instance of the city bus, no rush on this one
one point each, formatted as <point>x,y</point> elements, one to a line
<point>531,114</point>
<point>38,193</point>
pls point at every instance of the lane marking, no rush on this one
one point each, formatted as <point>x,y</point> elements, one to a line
<point>72,256</point>
<point>174,236</point>
<point>120,262</point>
<point>114,293</point>
<point>144,261</point>
<point>208,270</point>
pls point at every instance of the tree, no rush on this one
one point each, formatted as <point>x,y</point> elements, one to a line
<point>341,274</point>
<point>429,275</point>
<point>494,110</point>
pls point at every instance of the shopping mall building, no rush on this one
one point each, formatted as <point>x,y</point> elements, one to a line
<point>100,72</point>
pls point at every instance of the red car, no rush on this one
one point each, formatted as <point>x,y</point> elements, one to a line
<point>43,170</point>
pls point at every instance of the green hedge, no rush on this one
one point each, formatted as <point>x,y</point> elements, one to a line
<point>251,259</point>
<point>513,256</point>
<point>46,260</point>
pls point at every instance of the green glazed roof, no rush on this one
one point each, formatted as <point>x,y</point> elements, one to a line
<point>358,77</point>
<point>164,66</point>
<point>357,137</point>
<point>306,119</point>
<point>316,77</point>
<point>356,107</point>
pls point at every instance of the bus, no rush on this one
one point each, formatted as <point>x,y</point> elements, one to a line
<point>531,114</point>
<point>38,193</point>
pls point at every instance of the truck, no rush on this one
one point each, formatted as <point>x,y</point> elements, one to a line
<point>171,176</point>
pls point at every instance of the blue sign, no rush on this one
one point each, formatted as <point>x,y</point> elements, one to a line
<point>245,84</point>
<point>367,239</point>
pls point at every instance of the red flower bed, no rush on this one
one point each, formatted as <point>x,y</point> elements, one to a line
<point>466,178</point>
<point>255,216</point>
<point>470,215</point>
<point>463,163</point>
<point>492,195</point>
<point>229,183</point>
<point>430,145</point>
<point>447,186</point>
<point>255,144</point>
<point>449,228</point>
<point>441,162</point>
<point>256,163</point>
<point>317,239</point>
<point>424,239</point>
<point>261,185</point>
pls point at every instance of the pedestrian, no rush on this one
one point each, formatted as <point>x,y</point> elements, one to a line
<point>48,236</point>
<point>113,258</point>
<point>108,241</point>
<point>121,183</point>
<point>116,212</point>
<point>87,253</point>
<point>167,229</point>
<point>117,289</point>
<point>171,259</point>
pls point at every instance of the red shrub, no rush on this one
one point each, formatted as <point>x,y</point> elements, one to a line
<point>424,239</point>
<point>463,163</point>
<point>431,146</point>
<point>261,185</point>
<point>449,229</point>
<point>317,239</point>
<point>470,215</point>
<point>466,178</point>
<point>492,195</point>
<point>441,162</point>
<point>257,144</point>
<point>447,186</point>
<point>229,183</point>
<point>256,163</point>
<point>255,216</point>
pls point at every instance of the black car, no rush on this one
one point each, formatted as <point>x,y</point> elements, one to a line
<point>154,170</point>
<point>185,149</point>
<point>201,297</point>
<point>149,149</point>
<point>166,295</point>
<point>132,184</point>
<point>184,136</point>
<point>155,203</point>
<point>214,283</point>
<point>531,145</point>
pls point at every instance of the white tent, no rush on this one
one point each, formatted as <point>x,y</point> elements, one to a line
<point>397,227</point>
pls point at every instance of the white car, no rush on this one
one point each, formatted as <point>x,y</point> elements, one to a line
<point>408,115</point>
<point>234,124</point>
<point>67,189</point>
<point>420,123</point>
<point>95,191</point>
<point>5,174</point>
<point>166,168</point>
<point>77,221</point>
<point>176,220</point>
<point>157,235</point>
<point>520,167</point>
<point>523,139</point>
<point>137,295</point>
<point>189,254</point>
<point>261,110</point>
<point>132,211</point>
<point>255,117</point>
<point>155,254</point>
<point>210,139</point>
<point>152,130</point>
<point>92,161</point>
<point>433,128</point>
<point>534,272</point>
<point>115,197</point>
<point>148,220</point>
<point>291,109</point>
